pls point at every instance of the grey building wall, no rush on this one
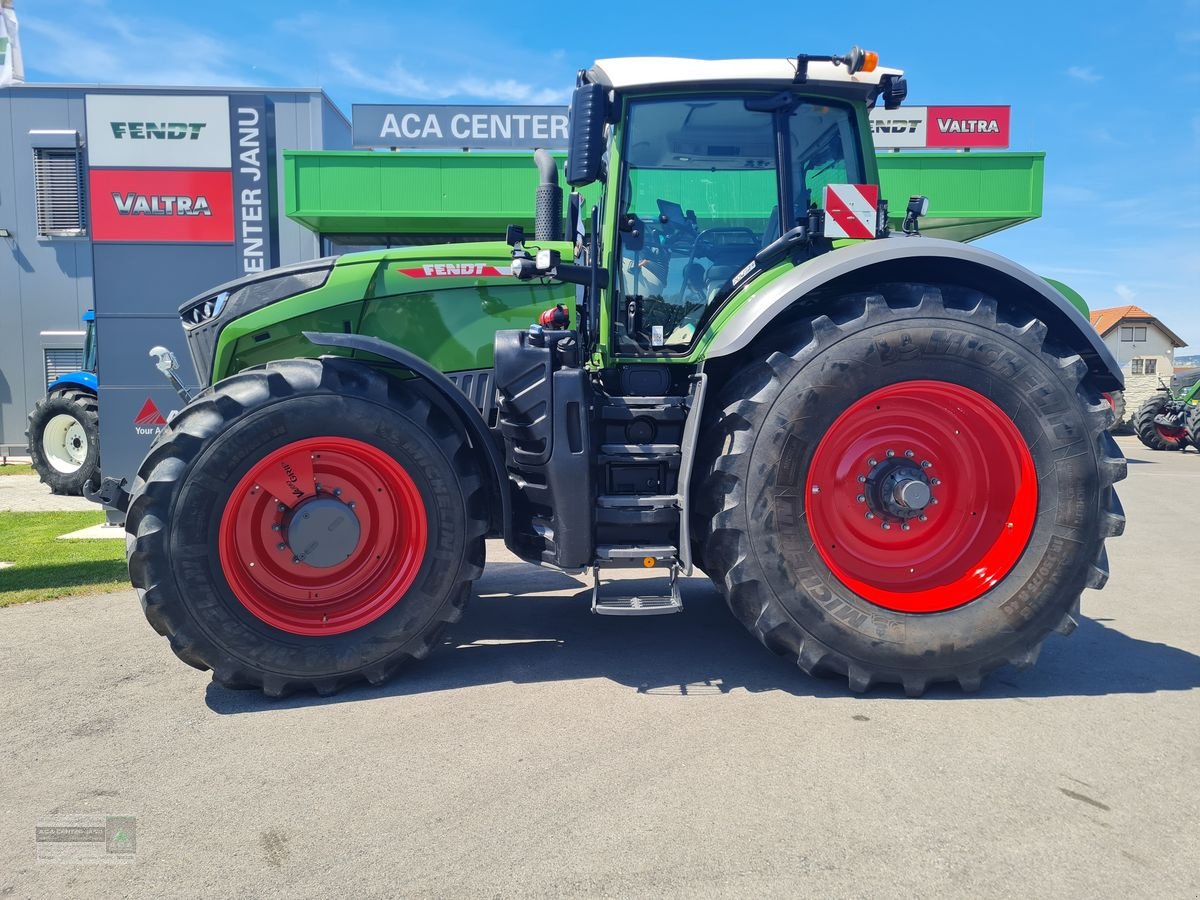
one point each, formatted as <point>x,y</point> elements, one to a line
<point>47,283</point>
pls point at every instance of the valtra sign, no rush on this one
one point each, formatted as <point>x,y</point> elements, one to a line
<point>942,127</point>
<point>161,205</point>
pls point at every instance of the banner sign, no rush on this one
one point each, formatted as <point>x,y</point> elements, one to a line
<point>252,155</point>
<point>142,131</point>
<point>424,127</point>
<point>941,127</point>
<point>161,205</point>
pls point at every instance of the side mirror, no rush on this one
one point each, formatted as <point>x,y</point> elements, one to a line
<point>895,90</point>
<point>585,151</point>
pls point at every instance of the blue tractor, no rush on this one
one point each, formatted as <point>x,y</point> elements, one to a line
<point>64,426</point>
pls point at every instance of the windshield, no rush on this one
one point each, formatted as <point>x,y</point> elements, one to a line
<point>701,197</point>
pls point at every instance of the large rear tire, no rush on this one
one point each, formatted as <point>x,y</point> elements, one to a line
<point>1153,435</point>
<point>306,525</point>
<point>914,488</point>
<point>64,440</point>
<point>1193,425</point>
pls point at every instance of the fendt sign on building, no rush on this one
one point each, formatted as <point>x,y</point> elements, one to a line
<point>421,127</point>
<point>180,169</point>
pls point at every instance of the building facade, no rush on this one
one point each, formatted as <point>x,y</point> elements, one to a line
<point>1144,347</point>
<point>130,200</point>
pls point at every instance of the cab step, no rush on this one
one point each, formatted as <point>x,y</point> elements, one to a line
<point>640,605</point>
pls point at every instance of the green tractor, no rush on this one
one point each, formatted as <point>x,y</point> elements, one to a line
<point>889,453</point>
<point>1170,419</point>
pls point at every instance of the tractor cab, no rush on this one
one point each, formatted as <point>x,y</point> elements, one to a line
<point>712,172</point>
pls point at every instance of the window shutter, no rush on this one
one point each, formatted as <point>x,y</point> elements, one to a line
<point>61,360</point>
<point>58,185</point>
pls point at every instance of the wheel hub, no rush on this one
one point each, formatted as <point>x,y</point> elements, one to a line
<point>897,488</point>
<point>322,532</point>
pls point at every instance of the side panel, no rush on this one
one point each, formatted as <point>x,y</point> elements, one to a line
<point>448,321</point>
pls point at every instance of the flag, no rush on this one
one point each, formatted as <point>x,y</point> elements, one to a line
<point>12,71</point>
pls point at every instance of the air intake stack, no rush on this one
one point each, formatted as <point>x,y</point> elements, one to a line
<point>548,215</point>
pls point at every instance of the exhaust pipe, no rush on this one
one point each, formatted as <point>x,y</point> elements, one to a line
<point>548,204</point>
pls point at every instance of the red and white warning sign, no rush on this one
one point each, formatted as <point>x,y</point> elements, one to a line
<point>851,210</point>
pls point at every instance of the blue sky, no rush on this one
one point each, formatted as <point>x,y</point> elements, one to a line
<point>1110,90</point>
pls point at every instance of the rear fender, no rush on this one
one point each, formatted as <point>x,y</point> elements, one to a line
<point>927,260</point>
<point>456,403</point>
<point>84,381</point>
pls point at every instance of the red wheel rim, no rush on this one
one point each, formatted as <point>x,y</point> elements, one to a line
<point>980,480</point>
<point>305,599</point>
<point>1169,434</point>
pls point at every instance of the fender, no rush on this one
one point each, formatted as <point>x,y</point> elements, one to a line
<point>472,421</point>
<point>923,259</point>
<point>85,381</point>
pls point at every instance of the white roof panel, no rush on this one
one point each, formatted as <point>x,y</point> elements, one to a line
<point>648,71</point>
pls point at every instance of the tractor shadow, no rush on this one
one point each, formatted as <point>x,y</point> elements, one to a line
<point>529,626</point>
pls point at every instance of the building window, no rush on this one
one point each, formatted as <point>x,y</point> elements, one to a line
<point>1144,366</point>
<point>1133,333</point>
<point>1139,333</point>
<point>59,192</point>
<point>1126,334</point>
<point>61,360</point>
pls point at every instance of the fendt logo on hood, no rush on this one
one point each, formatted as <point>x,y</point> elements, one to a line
<point>456,270</point>
<point>132,204</point>
<point>157,131</point>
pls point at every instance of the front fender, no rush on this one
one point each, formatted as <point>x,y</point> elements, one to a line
<point>921,259</point>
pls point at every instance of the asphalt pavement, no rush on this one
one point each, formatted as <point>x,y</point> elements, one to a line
<point>545,752</point>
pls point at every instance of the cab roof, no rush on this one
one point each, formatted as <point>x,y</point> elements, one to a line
<point>650,71</point>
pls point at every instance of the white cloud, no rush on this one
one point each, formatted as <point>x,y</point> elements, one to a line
<point>102,47</point>
<point>398,81</point>
<point>1125,292</point>
<point>1084,73</point>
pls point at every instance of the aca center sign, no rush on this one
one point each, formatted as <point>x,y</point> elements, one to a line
<point>451,127</point>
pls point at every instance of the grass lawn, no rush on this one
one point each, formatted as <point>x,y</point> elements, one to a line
<point>17,469</point>
<point>45,568</point>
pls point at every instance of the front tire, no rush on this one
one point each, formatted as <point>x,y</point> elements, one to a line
<point>64,440</point>
<point>306,525</point>
<point>921,407</point>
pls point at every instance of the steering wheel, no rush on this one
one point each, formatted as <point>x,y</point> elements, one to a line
<point>704,246</point>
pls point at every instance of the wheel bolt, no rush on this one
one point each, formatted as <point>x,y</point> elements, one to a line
<point>281,508</point>
<point>908,454</point>
<point>935,481</point>
<point>862,479</point>
<point>352,504</point>
<point>861,498</point>
<point>872,461</point>
<point>281,546</point>
<point>886,527</point>
<point>276,527</point>
<point>295,559</point>
<point>922,517</point>
<point>891,453</point>
<point>905,526</point>
<point>816,489</point>
<point>870,515</point>
<point>337,492</point>
<point>933,500</point>
<point>925,464</point>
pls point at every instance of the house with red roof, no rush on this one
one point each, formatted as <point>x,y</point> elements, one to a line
<point>1144,347</point>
